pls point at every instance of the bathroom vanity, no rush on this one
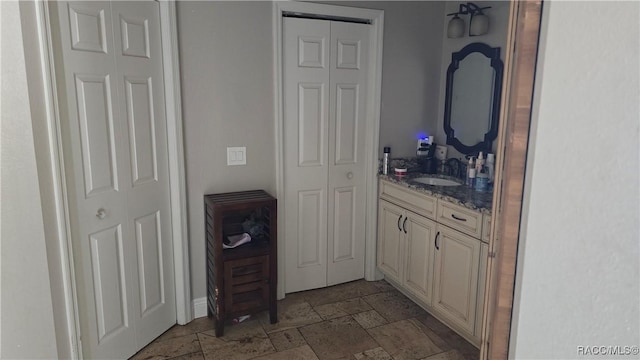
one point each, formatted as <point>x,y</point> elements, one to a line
<point>433,247</point>
<point>433,232</point>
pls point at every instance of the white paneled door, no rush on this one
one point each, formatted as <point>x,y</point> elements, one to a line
<point>110,82</point>
<point>325,85</point>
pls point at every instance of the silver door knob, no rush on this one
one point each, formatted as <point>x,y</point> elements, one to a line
<point>101,214</point>
<point>349,175</point>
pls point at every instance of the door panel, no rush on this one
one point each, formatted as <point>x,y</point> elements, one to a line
<point>456,277</point>
<point>390,250</point>
<point>482,281</point>
<point>311,227</point>
<point>142,137</point>
<point>348,51</point>
<point>312,50</point>
<point>135,35</point>
<point>109,282</point>
<point>88,28</point>
<point>306,126</point>
<point>349,47</point>
<point>344,231</point>
<point>312,122</point>
<point>115,147</point>
<point>420,237</point>
<point>150,262</point>
<point>347,124</point>
<point>139,62</point>
<point>95,117</point>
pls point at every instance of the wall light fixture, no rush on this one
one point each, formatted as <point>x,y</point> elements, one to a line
<point>478,23</point>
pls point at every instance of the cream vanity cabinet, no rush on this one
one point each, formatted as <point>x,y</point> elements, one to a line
<point>431,250</point>
<point>405,241</point>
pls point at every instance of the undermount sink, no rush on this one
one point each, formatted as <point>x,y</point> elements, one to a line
<point>428,180</point>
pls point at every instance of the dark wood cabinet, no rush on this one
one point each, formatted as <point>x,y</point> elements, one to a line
<point>241,280</point>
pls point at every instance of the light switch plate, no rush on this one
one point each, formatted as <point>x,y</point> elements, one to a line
<point>237,155</point>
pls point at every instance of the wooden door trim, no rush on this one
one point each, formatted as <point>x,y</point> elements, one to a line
<point>372,128</point>
<point>513,142</point>
<point>54,186</point>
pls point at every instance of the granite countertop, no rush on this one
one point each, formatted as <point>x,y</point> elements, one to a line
<point>461,195</point>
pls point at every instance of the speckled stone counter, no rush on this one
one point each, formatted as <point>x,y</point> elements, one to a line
<point>461,195</point>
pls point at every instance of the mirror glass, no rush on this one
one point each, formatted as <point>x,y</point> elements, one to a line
<point>472,99</point>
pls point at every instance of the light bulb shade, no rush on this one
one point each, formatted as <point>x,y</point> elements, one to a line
<point>479,25</point>
<point>455,29</point>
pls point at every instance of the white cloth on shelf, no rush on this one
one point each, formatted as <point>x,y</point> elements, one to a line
<point>237,240</point>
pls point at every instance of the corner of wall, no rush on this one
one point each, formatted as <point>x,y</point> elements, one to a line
<point>27,310</point>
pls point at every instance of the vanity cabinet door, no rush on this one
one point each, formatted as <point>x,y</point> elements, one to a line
<point>420,236</point>
<point>482,275</point>
<point>456,277</point>
<point>390,251</point>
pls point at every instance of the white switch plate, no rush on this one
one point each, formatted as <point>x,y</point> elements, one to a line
<point>237,155</point>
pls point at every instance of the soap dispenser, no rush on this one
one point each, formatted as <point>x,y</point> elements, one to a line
<point>479,162</point>
<point>471,173</point>
<point>482,179</point>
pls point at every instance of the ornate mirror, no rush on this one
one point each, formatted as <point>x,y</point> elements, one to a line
<point>472,102</point>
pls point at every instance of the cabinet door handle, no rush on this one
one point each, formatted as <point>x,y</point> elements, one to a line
<point>400,218</point>
<point>436,242</point>
<point>404,225</point>
<point>458,218</point>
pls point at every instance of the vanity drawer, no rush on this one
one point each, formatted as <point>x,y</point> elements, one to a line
<point>415,201</point>
<point>460,218</point>
<point>486,228</point>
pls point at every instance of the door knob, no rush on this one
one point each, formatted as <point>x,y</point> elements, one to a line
<point>349,175</point>
<point>101,214</point>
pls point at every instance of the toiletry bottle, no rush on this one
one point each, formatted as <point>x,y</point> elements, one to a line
<point>482,179</point>
<point>470,167</point>
<point>471,177</point>
<point>385,160</point>
<point>490,164</point>
<point>479,162</point>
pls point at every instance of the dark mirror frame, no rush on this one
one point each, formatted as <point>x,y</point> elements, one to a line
<point>497,65</point>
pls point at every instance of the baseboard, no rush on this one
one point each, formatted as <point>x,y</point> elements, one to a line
<point>199,307</point>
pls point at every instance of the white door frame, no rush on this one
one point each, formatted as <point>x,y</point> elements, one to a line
<point>372,128</point>
<point>54,158</point>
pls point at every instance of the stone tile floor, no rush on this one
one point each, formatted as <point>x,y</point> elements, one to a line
<point>356,320</point>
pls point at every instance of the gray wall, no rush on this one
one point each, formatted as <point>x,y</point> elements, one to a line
<point>497,37</point>
<point>27,330</point>
<point>578,276</point>
<point>410,71</point>
<point>226,61</point>
<point>227,69</point>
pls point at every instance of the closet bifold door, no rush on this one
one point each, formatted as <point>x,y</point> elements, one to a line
<point>347,120</point>
<point>110,86</point>
<point>306,128</point>
<point>325,68</point>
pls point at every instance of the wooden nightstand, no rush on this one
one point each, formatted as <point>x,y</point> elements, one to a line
<point>241,280</point>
